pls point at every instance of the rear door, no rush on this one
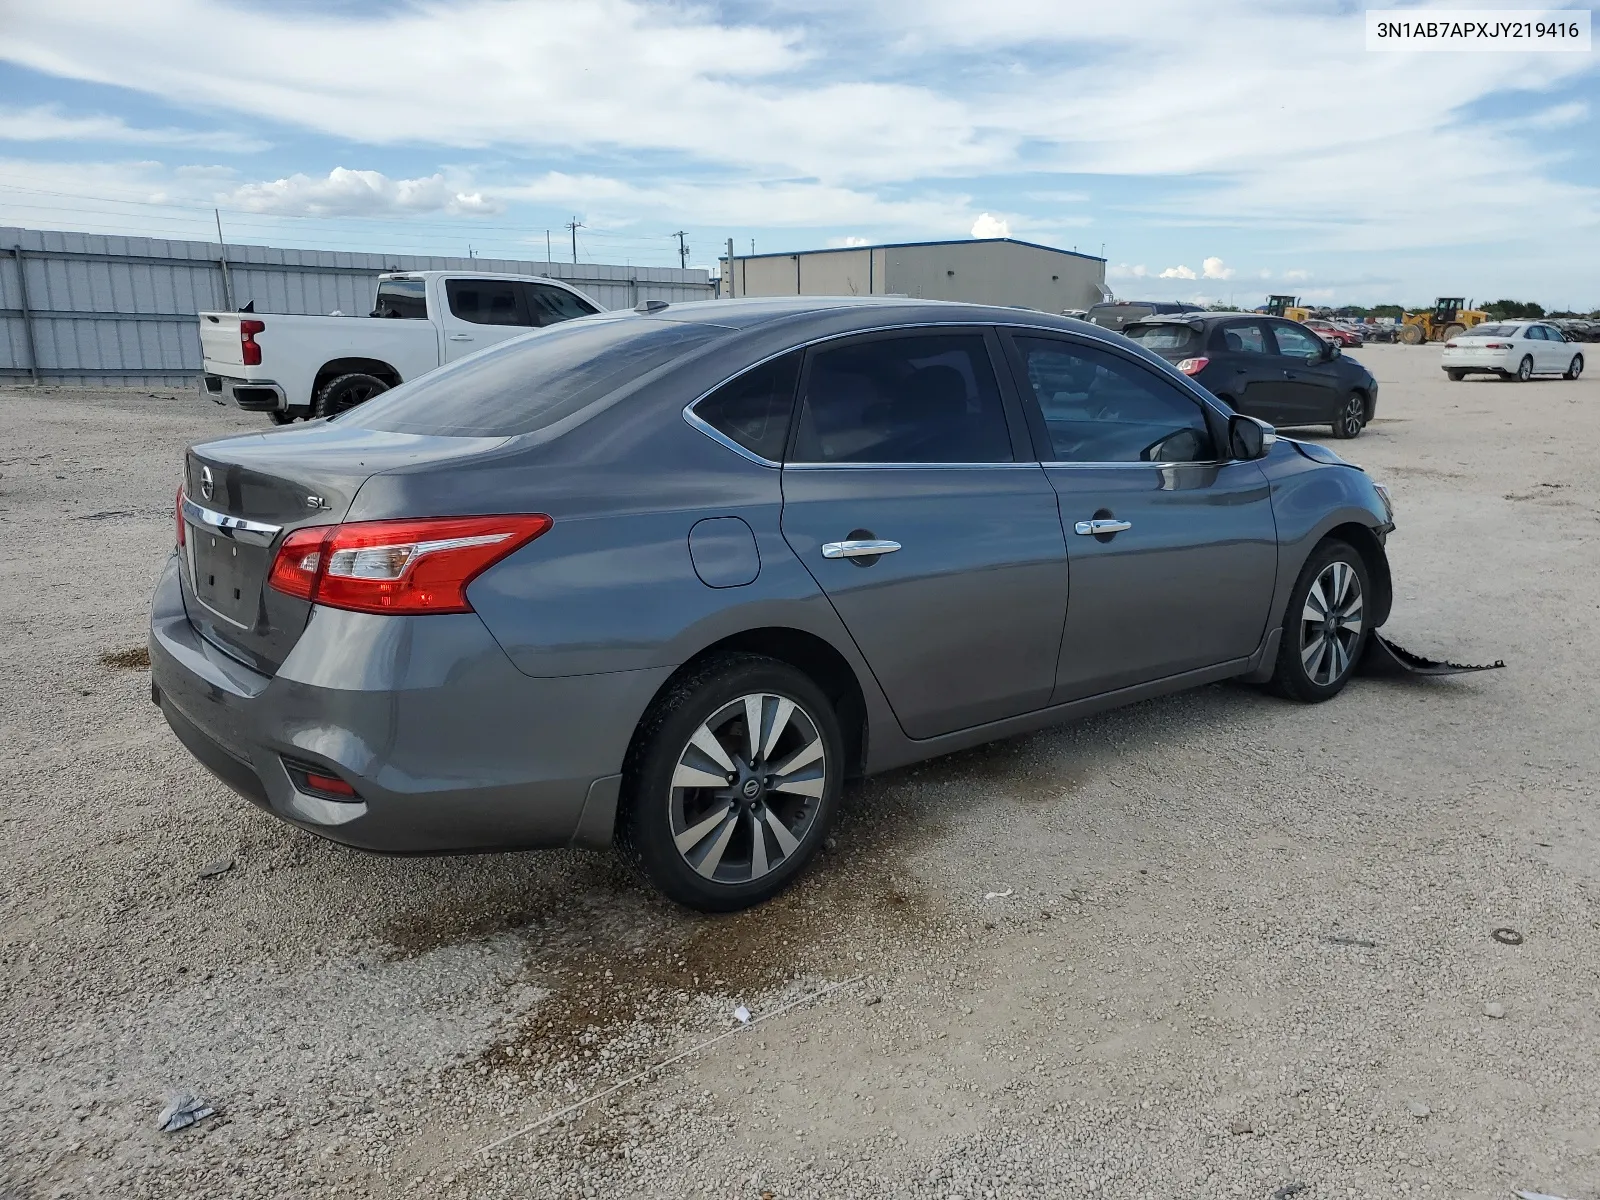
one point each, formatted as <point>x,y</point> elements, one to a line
<point>1311,384</point>
<point>1552,351</point>
<point>1173,548</point>
<point>479,312</point>
<point>910,494</point>
<point>1246,372</point>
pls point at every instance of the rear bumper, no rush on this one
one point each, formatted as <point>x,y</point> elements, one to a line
<point>1492,361</point>
<point>450,748</point>
<point>254,395</point>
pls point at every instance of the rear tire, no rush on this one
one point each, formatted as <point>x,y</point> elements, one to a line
<point>713,823</point>
<point>1318,655</point>
<point>281,416</point>
<point>1456,376</point>
<point>344,392</point>
<point>1574,368</point>
<point>1453,331</point>
<point>1351,417</point>
<point>1525,369</point>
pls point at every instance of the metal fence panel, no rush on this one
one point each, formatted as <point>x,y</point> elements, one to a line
<point>106,309</point>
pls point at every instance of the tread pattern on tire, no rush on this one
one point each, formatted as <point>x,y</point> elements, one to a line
<point>320,407</point>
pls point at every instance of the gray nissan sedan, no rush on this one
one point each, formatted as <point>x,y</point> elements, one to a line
<point>666,578</point>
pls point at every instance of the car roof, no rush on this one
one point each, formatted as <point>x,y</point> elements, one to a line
<point>752,313</point>
<point>1187,318</point>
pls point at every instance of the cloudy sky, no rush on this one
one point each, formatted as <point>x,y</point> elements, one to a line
<point>1218,150</point>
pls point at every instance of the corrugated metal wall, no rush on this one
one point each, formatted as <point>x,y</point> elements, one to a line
<point>115,310</point>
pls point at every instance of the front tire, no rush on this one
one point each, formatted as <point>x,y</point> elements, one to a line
<point>731,783</point>
<point>1574,368</point>
<point>1525,369</point>
<point>1351,417</point>
<point>1324,629</point>
<point>344,392</point>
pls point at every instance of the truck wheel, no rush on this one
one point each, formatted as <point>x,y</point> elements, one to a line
<point>1453,331</point>
<point>1411,335</point>
<point>346,391</point>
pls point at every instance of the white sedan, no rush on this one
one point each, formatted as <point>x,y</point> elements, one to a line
<point>1512,350</point>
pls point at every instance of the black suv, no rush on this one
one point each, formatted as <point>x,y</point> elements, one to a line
<point>1267,367</point>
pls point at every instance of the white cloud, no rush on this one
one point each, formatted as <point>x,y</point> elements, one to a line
<point>1179,272</point>
<point>1124,271</point>
<point>1297,275</point>
<point>346,193</point>
<point>1212,268</point>
<point>47,123</point>
<point>847,243</point>
<point>990,227</point>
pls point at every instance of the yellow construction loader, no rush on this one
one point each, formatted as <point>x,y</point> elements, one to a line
<point>1450,316</point>
<point>1288,307</point>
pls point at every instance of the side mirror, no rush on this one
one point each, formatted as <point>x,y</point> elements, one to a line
<point>1330,351</point>
<point>1249,438</point>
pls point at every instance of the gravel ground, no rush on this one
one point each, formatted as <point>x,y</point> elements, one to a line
<point>1239,945</point>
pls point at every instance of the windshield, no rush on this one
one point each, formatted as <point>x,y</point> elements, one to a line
<point>1162,337</point>
<point>532,381</point>
<point>403,298</point>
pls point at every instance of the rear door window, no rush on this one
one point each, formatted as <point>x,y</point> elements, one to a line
<point>486,301</point>
<point>1242,337</point>
<point>405,299</point>
<point>548,305</point>
<point>753,410</point>
<point>1100,408</point>
<point>919,398</point>
<point>530,383</point>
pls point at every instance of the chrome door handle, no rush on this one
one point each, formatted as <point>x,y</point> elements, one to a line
<point>460,337</point>
<point>1099,527</point>
<point>862,548</point>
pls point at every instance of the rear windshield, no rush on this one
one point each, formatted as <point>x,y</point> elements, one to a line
<point>1115,316</point>
<point>403,298</point>
<point>1492,331</point>
<point>1162,337</point>
<point>532,381</point>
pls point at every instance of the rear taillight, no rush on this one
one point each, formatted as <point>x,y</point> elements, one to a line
<point>406,566</point>
<point>1193,366</point>
<point>181,535</point>
<point>1497,345</point>
<point>247,341</point>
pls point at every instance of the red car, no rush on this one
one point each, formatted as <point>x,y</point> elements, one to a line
<point>1335,333</point>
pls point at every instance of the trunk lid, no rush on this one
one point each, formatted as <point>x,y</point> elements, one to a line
<point>219,339</point>
<point>243,495</point>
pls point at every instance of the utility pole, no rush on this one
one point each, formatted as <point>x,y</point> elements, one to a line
<point>683,248</point>
<point>730,269</point>
<point>222,261</point>
<point>547,255</point>
<point>574,225</point>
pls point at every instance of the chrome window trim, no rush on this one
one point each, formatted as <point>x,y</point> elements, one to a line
<point>1094,334</point>
<point>908,466</point>
<point>228,526</point>
<point>1203,462</point>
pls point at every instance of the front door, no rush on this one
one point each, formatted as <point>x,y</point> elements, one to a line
<point>908,495</point>
<point>1173,548</point>
<point>1312,387</point>
<point>480,312</point>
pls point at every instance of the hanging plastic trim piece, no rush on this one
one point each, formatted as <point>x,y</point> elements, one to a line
<point>1383,657</point>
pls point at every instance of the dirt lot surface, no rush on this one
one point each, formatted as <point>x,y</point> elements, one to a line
<point>1236,945</point>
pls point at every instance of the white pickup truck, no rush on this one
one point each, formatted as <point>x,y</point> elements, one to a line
<point>303,366</point>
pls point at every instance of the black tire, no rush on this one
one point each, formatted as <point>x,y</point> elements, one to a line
<point>1525,369</point>
<point>281,416</point>
<point>344,392</point>
<point>1574,368</point>
<point>657,810</point>
<point>1317,680</point>
<point>1351,417</point>
<point>1456,376</point>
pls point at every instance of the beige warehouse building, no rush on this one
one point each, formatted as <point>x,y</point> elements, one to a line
<point>1000,271</point>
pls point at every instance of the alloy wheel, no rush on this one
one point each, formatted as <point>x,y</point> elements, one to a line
<point>357,393</point>
<point>1525,370</point>
<point>1330,624</point>
<point>747,788</point>
<point>1350,420</point>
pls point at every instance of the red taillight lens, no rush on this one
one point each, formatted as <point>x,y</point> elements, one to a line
<point>182,537</point>
<point>406,566</point>
<point>247,341</point>
<point>1497,346</point>
<point>1193,366</point>
<point>307,777</point>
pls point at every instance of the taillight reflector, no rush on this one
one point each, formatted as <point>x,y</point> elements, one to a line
<point>182,537</point>
<point>250,352</point>
<point>1193,366</point>
<point>405,566</point>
